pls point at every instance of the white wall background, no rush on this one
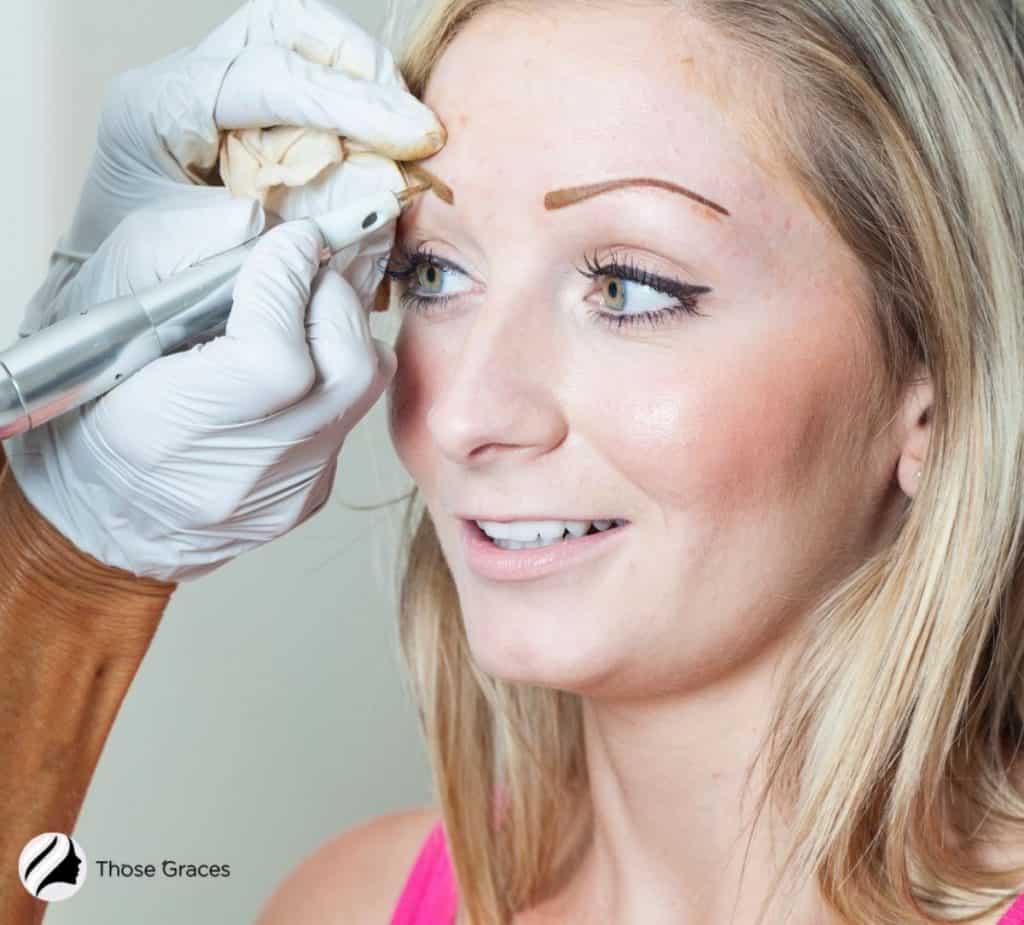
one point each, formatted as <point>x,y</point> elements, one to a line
<point>271,711</point>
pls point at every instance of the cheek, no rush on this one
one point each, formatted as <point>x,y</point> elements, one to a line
<point>418,379</point>
<point>696,434</point>
<point>724,433</point>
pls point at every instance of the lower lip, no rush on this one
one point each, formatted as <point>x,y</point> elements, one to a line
<point>490,561</point>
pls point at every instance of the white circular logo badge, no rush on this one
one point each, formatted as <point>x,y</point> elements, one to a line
<point>52,866</point>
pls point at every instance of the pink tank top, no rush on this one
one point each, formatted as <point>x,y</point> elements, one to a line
<point>1015,914</point>
<point>430,896</point>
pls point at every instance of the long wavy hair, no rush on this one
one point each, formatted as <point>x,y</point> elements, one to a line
<point>902,122</point>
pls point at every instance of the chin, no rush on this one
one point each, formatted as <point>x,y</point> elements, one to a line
<point>519,656</point>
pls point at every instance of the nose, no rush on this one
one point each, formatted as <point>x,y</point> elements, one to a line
<point>502,396</point>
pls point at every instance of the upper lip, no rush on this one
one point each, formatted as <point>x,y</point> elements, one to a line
<point>511,518</point>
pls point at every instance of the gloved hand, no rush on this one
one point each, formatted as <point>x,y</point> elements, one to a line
<point>160,128</point>
<point>204,454</point>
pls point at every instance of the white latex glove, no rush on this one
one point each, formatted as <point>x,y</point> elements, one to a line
<point>204,454</point>
<point>160,129</point>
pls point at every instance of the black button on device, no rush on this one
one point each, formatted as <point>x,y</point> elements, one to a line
<point>370,219</point>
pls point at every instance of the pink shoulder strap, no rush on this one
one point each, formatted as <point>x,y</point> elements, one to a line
<point>429,896</point>
<point>1015,914</point>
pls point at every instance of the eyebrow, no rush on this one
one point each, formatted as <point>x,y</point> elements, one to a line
<point>441,189</point>
<point>560,198</point>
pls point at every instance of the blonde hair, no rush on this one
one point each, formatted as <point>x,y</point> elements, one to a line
<point>894,743</point>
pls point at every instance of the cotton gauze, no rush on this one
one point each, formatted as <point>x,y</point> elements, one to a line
<point>300,172</point>
<point>263,163</point>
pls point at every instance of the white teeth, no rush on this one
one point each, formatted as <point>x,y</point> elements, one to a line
<point>534,533</point>
<point>528,531</point>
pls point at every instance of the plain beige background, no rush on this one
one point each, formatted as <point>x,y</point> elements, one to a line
<point>271,711</point>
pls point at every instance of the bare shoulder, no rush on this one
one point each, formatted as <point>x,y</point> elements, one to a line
<point>356,876</point>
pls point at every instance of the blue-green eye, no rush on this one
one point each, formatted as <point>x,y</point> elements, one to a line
<point>421,276</point>
<point>623,278</point>
<point>428,275</point>
<point>615,288</point>
<point>623,287</point>
<point>622,293</point>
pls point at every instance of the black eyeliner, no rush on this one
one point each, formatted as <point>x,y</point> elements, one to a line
<point>407,264</point>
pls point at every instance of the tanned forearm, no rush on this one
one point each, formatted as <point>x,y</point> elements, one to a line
<point>73,632</point>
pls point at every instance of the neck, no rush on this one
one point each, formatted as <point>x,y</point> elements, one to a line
<point>674,786</point>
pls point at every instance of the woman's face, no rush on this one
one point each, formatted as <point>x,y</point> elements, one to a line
<point>730,441</point>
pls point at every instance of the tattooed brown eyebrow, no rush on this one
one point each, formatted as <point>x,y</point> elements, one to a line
<point>560,198</point>
<point>441,189</point>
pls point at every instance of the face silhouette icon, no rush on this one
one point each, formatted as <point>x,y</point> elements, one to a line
<point>66,870</point>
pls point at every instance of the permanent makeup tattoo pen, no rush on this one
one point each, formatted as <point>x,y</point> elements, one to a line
<point>64,365</point>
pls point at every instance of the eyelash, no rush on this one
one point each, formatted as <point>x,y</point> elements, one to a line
<point>409,263</point>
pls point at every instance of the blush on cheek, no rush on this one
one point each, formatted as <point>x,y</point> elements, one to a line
<point>777,433</point>
<point>721,443</point>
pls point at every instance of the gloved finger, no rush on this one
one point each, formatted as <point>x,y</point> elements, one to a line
<point>350,373</point>
<point>339,336</point>
<point>273,289</point>
<point>387,365</point>
<point>262,363</point>
<point>322,33</point>
<point>268,85</point>
<point>318,31</point>
<point>183,235</point>
<point>151,245</point>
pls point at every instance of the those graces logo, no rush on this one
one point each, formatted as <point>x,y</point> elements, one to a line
<point>52,866</point>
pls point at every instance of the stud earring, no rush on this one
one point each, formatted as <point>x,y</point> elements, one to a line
<point>919,471</point>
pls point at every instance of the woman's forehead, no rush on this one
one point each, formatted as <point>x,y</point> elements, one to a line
<point>585,95</point>
<point>579,95</point>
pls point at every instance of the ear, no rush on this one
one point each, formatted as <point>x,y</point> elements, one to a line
<point>916,416</point>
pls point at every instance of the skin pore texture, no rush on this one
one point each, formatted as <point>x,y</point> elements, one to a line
<point>730,440</point>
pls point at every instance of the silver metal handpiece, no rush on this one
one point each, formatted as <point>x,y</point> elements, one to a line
<point>84,356</point>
